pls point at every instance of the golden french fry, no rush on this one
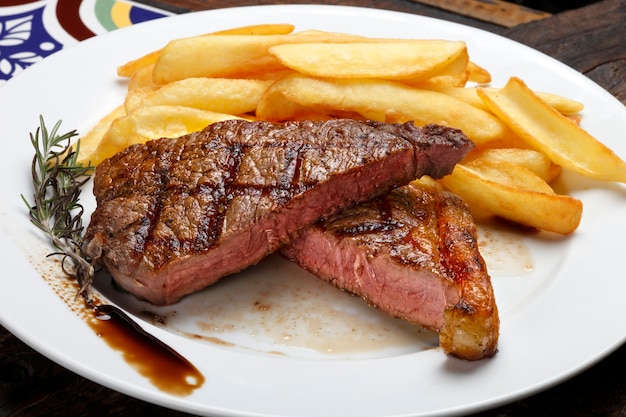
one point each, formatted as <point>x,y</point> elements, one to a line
<point>428,182</point>
<point>509,174</point>
<point>274,106</point>
<point>466,94</point>
<point>441,81</point>
<point>451,80</point>
<point>221,95</point>
<point>136,96</point>
<point>90,142</point>
<point>470,95</point>
<point>153,122</point>
<point>216,56</point>
<point>415,59</point>
<point>128,69</point>
<point>270,75</point>
<point>562,104</point>
<point>232,56</point>
<point>477,74</point>
<point>530,159</point>
<point>142,78</point>
<point>397,102</point>
<point>453,75</point>
<point>548,131</point>
<point>515,193</point>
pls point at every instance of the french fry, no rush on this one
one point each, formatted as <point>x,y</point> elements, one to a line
<point>274,106</point>
<point>142,78</point>
<point>154,122</point>
<point>91,141</point>
<point>264,75</point>
<point>562,104</point>
<point>470,95</point>
<point>428,182</point>
<point>451,80</point>
<point>136,96</point>
<point>453,75</point>
<point>548,131</point>
<point>477,74</point>
<point>515,193</point>
<point>216,56</point>
<point>509,174</point>
<point>221,95</point>
<point>393,60</point>
<point>128,69</point>
<point>131,67</point>
<point>397,102</point>
<point>530,159</point>
<point>228,56</point>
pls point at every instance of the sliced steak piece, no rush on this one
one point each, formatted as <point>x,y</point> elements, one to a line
<point>413,254</point>
<point>175,215</point>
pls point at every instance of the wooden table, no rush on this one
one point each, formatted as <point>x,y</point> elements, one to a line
<point>590,39</point>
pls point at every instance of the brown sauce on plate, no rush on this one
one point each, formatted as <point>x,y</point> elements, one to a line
<point>161,365</point>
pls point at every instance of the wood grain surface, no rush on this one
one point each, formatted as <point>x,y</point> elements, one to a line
<point>592,40</point>
<point>500,12</point>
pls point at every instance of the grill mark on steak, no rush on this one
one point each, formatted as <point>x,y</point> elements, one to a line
<point>412,254</point>
<point>175,215</point>
<point>384,224</point>
<point>215,222</point>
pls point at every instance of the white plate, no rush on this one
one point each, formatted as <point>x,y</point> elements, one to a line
<point>558,318</point>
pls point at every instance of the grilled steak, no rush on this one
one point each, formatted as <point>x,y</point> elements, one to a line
<point>175,215</point>
<point>412,254</point>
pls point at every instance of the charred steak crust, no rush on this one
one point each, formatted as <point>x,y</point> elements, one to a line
<point>471,326</point>
<point>175,215</point>
<point>412,254</point>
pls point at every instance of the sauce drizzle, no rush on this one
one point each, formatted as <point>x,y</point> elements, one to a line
<point>164,367</point>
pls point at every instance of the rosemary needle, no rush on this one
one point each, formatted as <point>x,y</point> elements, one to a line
<point>57,180</point>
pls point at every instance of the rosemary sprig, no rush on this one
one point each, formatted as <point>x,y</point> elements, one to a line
<point>57,181</point>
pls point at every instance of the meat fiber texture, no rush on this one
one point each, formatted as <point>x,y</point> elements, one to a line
<point>175,215</point>
<point>413,254</point>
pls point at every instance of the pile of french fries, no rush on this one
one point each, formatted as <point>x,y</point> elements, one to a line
<point>269,72</point>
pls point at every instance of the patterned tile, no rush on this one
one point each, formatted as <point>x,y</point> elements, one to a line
<point>24,40</point>
<point>31,30</point>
